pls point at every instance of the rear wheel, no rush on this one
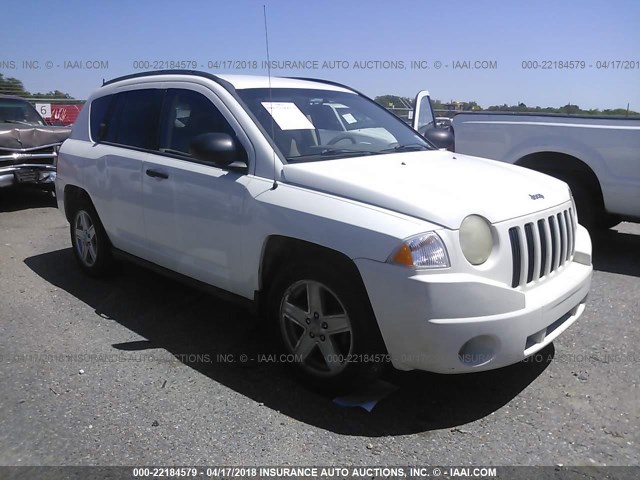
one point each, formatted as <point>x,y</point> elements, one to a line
<point>91,246</point>
<point>326,326</point>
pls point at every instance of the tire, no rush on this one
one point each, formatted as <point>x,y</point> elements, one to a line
<point>588,212</point>
<point>325,325</point>
<point>91,246</point>
<point>591,215</point>
<point>609,221</point>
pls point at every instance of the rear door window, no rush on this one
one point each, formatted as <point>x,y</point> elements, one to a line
<point>135,119</point>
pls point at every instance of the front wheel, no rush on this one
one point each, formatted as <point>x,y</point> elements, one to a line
<point>326,326</point>
<point>91,246</point>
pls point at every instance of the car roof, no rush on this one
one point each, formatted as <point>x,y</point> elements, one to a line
<point>239,82</point>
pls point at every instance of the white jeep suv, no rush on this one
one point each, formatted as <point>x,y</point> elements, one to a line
<point>360,248</point>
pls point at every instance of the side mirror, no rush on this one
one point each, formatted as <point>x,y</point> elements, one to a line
<point>217,148</point>
<point>440,137</point>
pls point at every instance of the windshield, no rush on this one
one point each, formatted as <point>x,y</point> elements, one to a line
<point>13,110</point>
<point>310,125</point>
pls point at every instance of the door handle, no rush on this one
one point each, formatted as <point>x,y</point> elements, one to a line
<point>156,174</point>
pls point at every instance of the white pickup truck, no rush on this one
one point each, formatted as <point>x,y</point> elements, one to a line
<point>357,239</point>
<point>599,157</point>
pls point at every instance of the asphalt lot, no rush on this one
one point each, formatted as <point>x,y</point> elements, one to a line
<point>128,371</point>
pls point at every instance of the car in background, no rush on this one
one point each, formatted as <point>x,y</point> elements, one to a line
<point>28,146</point>
<point>443,122</point>
<point>597,156</point>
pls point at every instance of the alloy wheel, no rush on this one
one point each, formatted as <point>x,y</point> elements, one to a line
<point>316,328</point>
<point>86,242</point>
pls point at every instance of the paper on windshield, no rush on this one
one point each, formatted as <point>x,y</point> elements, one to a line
<point>288,116</point>
<point>349,118</point>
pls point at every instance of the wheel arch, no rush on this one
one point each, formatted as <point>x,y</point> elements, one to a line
<point>280,249</point>
<point>73,194</point>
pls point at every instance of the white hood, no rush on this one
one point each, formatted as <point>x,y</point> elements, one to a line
<point>437,186</point>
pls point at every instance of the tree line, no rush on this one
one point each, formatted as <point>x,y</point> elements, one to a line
<point>13,86</point>
<point>397,102</point>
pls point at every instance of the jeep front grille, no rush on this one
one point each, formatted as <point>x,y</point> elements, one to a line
<point>541,247</point>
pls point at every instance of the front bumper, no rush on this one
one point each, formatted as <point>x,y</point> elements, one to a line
<point>27,174</point>
<point>459,323</point>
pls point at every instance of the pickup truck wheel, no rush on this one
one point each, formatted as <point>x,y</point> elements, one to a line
<point>588,212</point>
<point>91,245</point>
<point>326,327</point>
<point>609,221</point>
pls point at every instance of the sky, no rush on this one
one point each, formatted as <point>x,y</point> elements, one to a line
<point>489,51</point>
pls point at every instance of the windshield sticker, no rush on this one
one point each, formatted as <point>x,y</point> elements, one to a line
<point>288,116</point>
<point>349,118</point>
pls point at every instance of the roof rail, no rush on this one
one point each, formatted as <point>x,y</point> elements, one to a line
<point>328,82</point>
<point>163,72</point>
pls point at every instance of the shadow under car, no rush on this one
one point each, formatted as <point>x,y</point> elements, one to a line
<point>192,325</point>
<point>13,199</point>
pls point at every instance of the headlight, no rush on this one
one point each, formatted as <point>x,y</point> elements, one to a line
<point>422,251</point>
<point>476,239</point>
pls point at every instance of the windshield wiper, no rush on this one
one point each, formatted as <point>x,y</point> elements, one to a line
<point>412,147</point>
<point>328,153</point>
<point>340,151</point>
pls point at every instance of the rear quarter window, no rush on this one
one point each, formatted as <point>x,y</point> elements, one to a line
<point>100,108</point>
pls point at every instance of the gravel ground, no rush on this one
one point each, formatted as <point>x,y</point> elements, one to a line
<point>128,371</point>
